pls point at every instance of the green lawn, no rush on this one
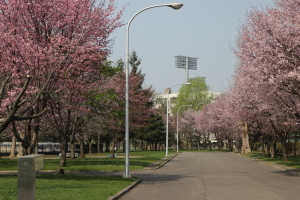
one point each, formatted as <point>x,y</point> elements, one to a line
<point>67,187</point>
<point>293,161</point>
<point>76,186</point>
<point>141,160</point>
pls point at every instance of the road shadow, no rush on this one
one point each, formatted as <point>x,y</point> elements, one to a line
<point>289,172</point>
<point>150,178</point>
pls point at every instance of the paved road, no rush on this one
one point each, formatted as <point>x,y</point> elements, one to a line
<point>214,176</point>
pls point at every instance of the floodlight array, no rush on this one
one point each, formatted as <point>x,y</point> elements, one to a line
<point>180,62</point>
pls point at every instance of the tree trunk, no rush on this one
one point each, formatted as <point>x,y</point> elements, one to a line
<point>90,146</point>
<point>34,139</point>
<point>23,137</point>
<point>13,148</point>
<point>295,146</point>
<point>113,147</point>
<point>198,143</point>
<point>204,145</point>
<point>245,139</point>
<point>81,143</point>
<point>141,145</point>
<point>272,143</point>
<point>283,138</point>
<point>230,144</point>
<point>273,149</point>
<point>107,145</point>
<point>289,145</point>
<point>63,150</point>
<point>173,141</point>
<point>190,145</point>
<point>266,148</point>
<point>72,145</point>
<point>98,143</point>
<point>21,151</point>
<point>124,146</point>
<point>219,145</point>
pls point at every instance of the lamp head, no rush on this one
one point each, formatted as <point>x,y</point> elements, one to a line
<point>175,6</point>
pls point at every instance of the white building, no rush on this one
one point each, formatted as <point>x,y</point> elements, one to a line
<point>162,98</point>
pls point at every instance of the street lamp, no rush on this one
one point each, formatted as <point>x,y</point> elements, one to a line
<point>167,120</point>
<point>175,6</point>
<point>177,122</point>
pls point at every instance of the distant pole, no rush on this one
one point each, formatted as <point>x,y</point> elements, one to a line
<point>177,123</point>
<point>167,118</point>
<point>186,69</point>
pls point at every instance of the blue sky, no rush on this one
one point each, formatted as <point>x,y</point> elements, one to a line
<point>205,29</point>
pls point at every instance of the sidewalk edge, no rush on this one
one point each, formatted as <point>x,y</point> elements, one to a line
<point>293,171</point>
<point>166,161</point>
<point>125,190</point>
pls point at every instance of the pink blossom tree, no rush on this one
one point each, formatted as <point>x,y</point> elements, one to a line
<point>267,49</point>
<point>264,96</point>
<point>186,126</point>
<point>45,46</point>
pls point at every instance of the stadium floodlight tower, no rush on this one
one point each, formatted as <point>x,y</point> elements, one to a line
<point>186,63</point>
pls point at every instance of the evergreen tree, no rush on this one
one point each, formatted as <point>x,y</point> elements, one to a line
<point>155,131</point>
<point>140,97</point>
<point>134,62</point>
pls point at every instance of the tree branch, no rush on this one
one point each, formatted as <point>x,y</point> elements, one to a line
<point>20,118</point>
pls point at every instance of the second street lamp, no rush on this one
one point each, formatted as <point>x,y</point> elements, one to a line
<point>177,123</point>
<point>175,6</point>
<point>167,120</point>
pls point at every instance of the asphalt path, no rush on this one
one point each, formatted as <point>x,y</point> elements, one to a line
<point>214,176</point>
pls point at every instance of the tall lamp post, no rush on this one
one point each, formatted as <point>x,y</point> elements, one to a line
<point>167,119</point>
<point>175,6</point>
<point>177,123</point>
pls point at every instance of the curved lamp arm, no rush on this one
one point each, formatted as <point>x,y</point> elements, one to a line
<point>175,6</point>
<point>167,120</point>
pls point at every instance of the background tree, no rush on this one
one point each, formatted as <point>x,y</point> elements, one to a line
<point>140,102</point>
<point>154,132</point>
<point>196,94</point>
<point>186,126</point>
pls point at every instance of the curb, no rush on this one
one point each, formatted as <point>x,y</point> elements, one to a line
<point>125,190</point>
<point>275,165</point>
<point>128,188</point>
<point>166,161</point>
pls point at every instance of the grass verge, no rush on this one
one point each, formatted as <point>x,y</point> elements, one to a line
<point>97,162</point>
<point>67,187</point>
<point>294,161</point>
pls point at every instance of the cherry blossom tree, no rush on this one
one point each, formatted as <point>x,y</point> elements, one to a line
<point>186,126</point>
<point>267,49</point>
<point>264,96</point>
<point>45,46</point>
<point>218,118</point>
